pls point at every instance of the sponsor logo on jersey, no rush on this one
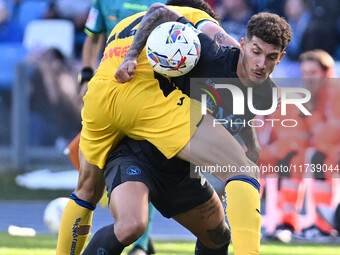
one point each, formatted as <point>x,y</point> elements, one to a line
<point>133,170</point>
<point>180,101</point>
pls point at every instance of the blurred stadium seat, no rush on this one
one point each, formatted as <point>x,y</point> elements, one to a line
<point>11,32</point>
<point>31,10</point>
<point>44,34</point>
<point>11,54</point>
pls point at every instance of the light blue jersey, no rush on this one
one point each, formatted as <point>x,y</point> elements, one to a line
<point>105,14</point>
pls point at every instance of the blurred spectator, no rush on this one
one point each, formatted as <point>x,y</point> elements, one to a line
<point>322,30</point>
<point>298,17</point>
<point>10,30</point>
<point>235,15</point>
<point>331,216</point>
<point>76,11</point>
<point>267,5</point>
<point>282,147</point>
<point>54,101</point>
<point>4,14</point>
<point>319,147</point>
<point>317,68</point>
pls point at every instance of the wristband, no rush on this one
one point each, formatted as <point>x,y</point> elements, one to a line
<point>188,23</point>
<point>85,75</point>
<point>183,20</point>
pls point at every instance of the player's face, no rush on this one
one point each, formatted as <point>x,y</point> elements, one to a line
<point>258,60</point>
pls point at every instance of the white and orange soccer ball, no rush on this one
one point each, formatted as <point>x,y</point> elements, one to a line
<point>53,213</point>
<point>173,49</point>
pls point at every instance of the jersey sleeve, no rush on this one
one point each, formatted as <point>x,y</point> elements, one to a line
<point>95,22</point>
<point>196,16</point>
<point>209,47</point>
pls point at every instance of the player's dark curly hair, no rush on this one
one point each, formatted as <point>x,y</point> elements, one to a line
<point>270,28</point>
<point>197,4</point>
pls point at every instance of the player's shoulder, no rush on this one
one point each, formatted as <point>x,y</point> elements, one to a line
<point>230,54</point>
<point>132,20</point>
<point>208,43</point>
<point>269,83</point>
<point>194,15</point>
<point>230,51</point>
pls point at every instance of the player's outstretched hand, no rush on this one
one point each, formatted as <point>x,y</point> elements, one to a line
<point>126,71</point>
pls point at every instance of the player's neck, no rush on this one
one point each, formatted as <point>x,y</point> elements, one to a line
<point>241,72</point>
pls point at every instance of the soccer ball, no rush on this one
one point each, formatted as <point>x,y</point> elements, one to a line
<point>173,49</point>
<point>53,212</point>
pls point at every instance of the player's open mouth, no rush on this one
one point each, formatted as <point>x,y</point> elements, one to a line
<point>259,75</point>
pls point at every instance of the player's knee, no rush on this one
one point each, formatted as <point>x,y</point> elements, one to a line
<point>217,237</point>
<point>128,231</point>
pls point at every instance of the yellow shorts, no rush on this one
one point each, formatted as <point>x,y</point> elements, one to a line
<point>140,111</point>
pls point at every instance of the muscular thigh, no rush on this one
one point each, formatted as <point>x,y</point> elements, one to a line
<point>100,133</point>
<point>129,201</point>
<point>215,146</point>
<point>206,221</point>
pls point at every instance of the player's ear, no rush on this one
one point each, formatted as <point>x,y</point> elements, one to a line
<point>282,55</point>
<point>242,43</point>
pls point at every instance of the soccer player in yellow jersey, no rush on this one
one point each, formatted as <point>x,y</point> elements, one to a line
<point>159,118</point>
<point>77,217</point>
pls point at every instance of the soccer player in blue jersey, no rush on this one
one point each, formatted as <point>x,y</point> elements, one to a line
<point>261,50</point>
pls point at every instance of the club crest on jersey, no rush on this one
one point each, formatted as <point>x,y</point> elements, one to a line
<point>133,170</point>
<point>102,251</point>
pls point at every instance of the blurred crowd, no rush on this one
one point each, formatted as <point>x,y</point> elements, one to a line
<point>315,23</point>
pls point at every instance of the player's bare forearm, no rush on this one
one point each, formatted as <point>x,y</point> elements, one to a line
<point>223,38</point>
<point>90,51</point>
<point>219,35</point>
<point>156,15</point>
<point>249,137</point>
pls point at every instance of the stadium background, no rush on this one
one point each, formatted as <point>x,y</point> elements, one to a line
<point>35,127</point>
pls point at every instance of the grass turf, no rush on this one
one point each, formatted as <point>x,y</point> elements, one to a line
<point>45,245</point>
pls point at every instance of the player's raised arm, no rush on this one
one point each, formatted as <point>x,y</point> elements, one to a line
<point>218,34</point>
<point>157,14</point>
